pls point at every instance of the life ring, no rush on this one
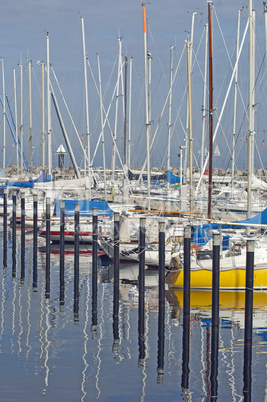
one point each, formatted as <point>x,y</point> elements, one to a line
<point>195,249</point>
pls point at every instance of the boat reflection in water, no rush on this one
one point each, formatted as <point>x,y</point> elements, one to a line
<point>232,320</point>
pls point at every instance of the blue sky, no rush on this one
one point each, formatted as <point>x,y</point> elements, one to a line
<point>23,27</point>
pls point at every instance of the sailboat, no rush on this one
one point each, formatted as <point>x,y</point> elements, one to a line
<point>233,259</point>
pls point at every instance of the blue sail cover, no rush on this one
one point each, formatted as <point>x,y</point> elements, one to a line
<point>171,178</point>
<point>30,183</point>
<point>202,233</point>
<point>86,207</point>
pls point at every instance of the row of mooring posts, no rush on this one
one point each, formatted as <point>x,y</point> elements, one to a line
<point>215,315</point>
<point>141,285</point>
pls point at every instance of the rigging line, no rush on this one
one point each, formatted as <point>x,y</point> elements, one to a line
<point>223,39</point>
<point>221,127</point>
<point>105,112</point>
<point>163,109</point>
<point>258,152</point>
<point>65,103</point>
<point>162,69</point>
<point>107,120</point>
<point>25,164</point>
<point>224,103</point>
<point>178,116</point>
<point>111,73</point>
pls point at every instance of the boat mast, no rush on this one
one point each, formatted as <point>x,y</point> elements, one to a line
<point>49,129</point>
<point>102,127</point>
<point>16,118</point>
<point>86,107</point>
<point>170,111</point>
<point>125,158</point>
<point>224,104</point>
<point>30,115</point>
<point>147,121</point>
<point>21,121</point>
<point>113,160</point>
<point>253,97</point>
<point>235,102</point>
<point>43,119</point>
<point>250,106</point>
<point>210,114</point>
<point>187,112</point>
<point>4,115</point>
<point>130,115</point>
<point>190,124</point>
<point>204,99</point>
<point>125,112</point>
<point>265,21</point>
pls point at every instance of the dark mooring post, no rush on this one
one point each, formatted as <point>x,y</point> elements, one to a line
<point>47,265</point>
<point>22,244</point>
<point>215,314</point>
<point>76,260</point>
<point>61,251</point>
<point>35,234</point>
<point>94,270</point>
<point>141,288</point>
<point>161,317</point>
<point>14,221</point>
<point>248,319</point>
<point>116,281</point>
<point>5,230</point>
<point>186,310</point>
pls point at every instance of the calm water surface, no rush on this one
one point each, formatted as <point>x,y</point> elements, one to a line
<point>46,353</point>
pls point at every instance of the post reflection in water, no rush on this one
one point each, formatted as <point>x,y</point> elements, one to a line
<point>50,356</point>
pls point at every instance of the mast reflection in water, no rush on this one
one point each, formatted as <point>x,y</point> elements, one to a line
<point>49,353</point>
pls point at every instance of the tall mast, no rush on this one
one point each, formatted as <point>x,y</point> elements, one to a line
<point>187,113</point>
<point>170,111</point>
<point>190,125</point>
<point>4,115</point>
<point>235,102</point>
<point>147,121</point>
<point>21,121</point>
<point>125,111</point>
<point>265,23</point>
<point>204,99</point>
<point>86,106</point>
<point>49,128</point>
<point>210,114</point>
<point>130,115</point>
<point>125,159</point>
<point>250,106</point>
<point>16,118</point>
<point>253,94</point>
<point>102,128</point>
<point>43,119</point>
<point>30,116</point>
<point>113,159</point>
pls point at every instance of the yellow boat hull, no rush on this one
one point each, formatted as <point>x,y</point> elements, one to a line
<point>230,279</point>
<point>231,300</point>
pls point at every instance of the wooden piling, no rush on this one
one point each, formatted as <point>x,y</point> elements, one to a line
<point>141,288</point>
<point>161,316</point>
<point>22,244</point>
<point>116,278</point>
<point>94,270</point>
<point>248,319</point>
<point>35,234</point>
<point>47,265</point>
<point>61,252</point>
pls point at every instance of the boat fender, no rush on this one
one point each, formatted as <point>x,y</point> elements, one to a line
<point>194,249</point>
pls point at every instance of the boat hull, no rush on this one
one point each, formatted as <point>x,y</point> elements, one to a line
<point>230,279</point>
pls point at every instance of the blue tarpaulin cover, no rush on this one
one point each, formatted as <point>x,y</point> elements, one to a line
<point>86,207</point>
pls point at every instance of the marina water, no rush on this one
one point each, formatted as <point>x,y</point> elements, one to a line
<point>47,351</point>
